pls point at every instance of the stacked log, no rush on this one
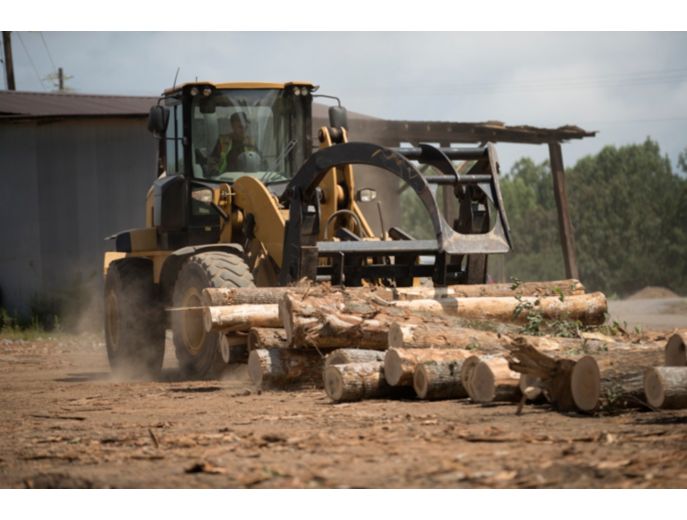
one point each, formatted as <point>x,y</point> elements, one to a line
<point>345,356</point>
<point>279,368</point>
<point>357,381</point>
<point>666,387</point>
<point>492,380</point>
<point>435,380</point>
<point>611,376</point>
<point>400,363</point>
<point>267,295</point>
<point>266,338</point>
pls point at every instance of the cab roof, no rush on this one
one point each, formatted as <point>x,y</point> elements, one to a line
<point>245,85</point>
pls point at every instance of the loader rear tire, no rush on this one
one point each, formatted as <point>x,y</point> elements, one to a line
<point>197,350</point>
<point>134,320</point>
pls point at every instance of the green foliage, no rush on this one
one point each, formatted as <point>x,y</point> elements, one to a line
<point>627,209</point>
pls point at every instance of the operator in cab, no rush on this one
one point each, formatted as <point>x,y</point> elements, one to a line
<point>234,146</point>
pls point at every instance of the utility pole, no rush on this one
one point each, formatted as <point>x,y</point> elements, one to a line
<point>9,65</point>
<point>60,78</point>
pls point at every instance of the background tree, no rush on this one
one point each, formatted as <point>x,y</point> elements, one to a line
<point>627,209</point>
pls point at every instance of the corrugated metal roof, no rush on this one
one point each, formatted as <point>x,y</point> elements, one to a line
<point>54,104</point>
<point>42,104</point>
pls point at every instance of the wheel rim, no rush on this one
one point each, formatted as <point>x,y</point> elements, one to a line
<point>194,330</point>
<point>112,321</point>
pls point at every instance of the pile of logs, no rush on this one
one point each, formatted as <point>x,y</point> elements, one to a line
<point>454,342</point>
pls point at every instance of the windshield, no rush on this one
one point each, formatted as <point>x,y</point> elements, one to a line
<point>245,132</point>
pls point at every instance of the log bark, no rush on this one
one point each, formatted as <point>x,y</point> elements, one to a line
<point>492,380</point>
<point>281,368</point>
<point>262,337</point>
<point>400,363</point>
<point>443,336</point>
<point>589,309</point>
<point>241,317</point>
<point>428,335</point>
<point>357,381</point>
<point>344,356</point>
<point>265,295</point>
<point>614,379</point>
<point>666,387</point>
<point>676,355</point>
<point>569,287</point>
<point>553,373</point>
<point>435,380</point>
<point>333,322</point>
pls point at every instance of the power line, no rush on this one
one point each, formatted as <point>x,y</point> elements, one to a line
<point>617,80</point>
<point>30,60</point>
<point>47,50</point>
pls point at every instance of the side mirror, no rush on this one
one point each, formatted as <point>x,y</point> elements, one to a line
<point>338,117</point>
<point>158,117</point>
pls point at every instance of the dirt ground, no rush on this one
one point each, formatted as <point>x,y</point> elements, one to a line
<point>65,423</point>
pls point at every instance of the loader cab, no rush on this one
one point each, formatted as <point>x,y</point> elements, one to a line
<point>213,134</point>
<point>264,128</point>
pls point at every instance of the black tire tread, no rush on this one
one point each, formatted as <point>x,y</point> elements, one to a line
<point>219,269</point>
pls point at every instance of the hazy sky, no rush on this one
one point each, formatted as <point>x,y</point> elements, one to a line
<point>626,85</point>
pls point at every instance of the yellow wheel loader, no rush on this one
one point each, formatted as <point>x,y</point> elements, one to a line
<point>245,198</point>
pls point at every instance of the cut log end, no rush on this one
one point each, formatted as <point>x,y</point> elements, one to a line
<point>482,384</point>
<point>257,360</point>
<point>585,384</point>
<point>676,354</point>
<point>393,368</point>
<point>397,335</point>
<point>333,383</point>
<point>208,318</point>
<point>666,387</point>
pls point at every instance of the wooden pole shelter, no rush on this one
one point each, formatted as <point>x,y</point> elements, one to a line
<point>9,64</point>
<point>564,223</point>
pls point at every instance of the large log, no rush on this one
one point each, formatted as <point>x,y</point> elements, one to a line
<point>434,380</point>
<point>552,373</point>
<point>442,336</point>
<point>613,379</point>
<point>357,381</point>
<point>675,350</point>
<point>344,356</point>
<point>492,380</point>
<point>400,363</point>
<point>589,309</point>
<point>265,295</point>
<point>666,387</point>
<point>340,320</point>
<point>241,317</point>
<point>262,337</point>
<point>336,322</point>
<point>279,367</point>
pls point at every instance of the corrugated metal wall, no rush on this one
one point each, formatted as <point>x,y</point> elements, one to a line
<point>66,185</point>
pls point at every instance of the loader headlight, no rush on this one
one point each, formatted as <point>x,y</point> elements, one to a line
<point>203,195</point>
<point>366,195</point>
<point>194,91</point>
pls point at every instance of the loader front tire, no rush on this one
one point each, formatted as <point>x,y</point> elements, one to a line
<point>197,350</point>
<point>134,320</point>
